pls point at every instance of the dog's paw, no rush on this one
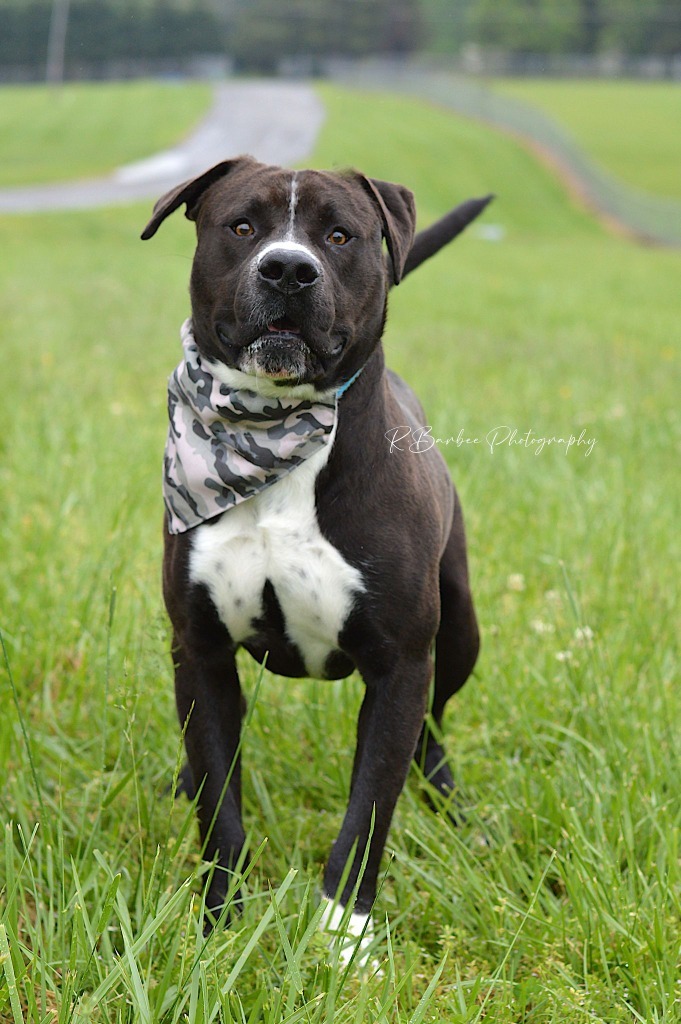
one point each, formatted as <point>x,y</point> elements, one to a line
<point>352,934</point>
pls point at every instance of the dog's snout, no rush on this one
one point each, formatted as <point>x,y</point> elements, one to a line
<point>288,270</point>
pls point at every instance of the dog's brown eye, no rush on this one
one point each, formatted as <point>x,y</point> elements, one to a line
<point>338,237</point>
<point>243,228</point>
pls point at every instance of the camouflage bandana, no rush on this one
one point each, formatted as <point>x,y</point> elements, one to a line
<point>227,444</point>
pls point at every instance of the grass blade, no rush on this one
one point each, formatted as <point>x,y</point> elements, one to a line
<point>8,967</point>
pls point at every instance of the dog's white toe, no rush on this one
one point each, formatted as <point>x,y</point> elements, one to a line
<point>348,931</point>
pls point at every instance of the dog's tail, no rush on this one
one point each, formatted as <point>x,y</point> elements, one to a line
<point>432,239</point>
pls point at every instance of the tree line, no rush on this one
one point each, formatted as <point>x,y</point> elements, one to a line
<point>258,34</point>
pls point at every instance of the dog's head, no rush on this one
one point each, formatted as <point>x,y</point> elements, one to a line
<point>289,281</point>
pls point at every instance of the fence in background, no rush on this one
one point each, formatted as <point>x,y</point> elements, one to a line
<point>649,217</point>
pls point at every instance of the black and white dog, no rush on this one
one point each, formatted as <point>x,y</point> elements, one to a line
<point>295,528</point>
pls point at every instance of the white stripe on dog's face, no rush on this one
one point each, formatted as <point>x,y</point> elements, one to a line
<point>287,242</point>
<point>292,204</point>
<point>288,246</point>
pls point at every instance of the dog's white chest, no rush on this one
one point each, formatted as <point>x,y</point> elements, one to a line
<point>275,536</point>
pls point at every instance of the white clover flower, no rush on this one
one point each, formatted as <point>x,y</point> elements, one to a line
<point>584,636</point>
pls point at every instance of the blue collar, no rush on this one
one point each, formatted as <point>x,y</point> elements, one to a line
<point>340,391</point>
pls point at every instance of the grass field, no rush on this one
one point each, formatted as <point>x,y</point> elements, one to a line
<point>630,128</point>
<point>559,899</point>
<point>81,130</point>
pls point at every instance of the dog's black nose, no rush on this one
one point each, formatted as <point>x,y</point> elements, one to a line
<point>288,270</point>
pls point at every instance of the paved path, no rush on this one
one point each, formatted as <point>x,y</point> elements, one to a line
<point>276,122</point>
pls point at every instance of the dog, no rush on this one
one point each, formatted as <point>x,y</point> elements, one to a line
<point>297,526</point>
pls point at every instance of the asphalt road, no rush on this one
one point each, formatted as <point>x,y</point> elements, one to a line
<point>276,122</point>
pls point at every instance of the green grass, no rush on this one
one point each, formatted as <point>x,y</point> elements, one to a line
<point>558,900</point>
<point>81,130</point>
<point>630,128</point>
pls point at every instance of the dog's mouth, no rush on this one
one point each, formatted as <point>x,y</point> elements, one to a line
<point>282,329</point>
<point>279,353</point>
<point>285,350</point>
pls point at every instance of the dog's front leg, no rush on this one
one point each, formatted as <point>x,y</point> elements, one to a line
<point>209,705</point>
<point>390,722</point>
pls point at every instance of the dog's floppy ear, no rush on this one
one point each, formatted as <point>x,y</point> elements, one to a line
<point>432,239</point>
<point>398,214</point>
<point>190,192</point>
